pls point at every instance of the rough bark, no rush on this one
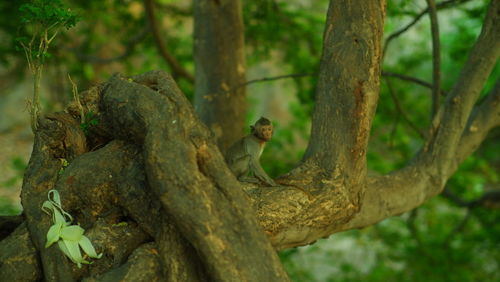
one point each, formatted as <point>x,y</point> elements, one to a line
<point>219,59</point>
<point>18,257</point>
<point>150,186</point>
<point>155,175</point>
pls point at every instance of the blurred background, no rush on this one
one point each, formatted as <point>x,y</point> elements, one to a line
<point>453,237</point>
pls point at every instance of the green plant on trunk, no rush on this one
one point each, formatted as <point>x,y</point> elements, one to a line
<point>69,237</point>
<point>43,20</point>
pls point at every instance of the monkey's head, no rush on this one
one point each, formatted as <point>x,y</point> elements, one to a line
<point>263,129</point>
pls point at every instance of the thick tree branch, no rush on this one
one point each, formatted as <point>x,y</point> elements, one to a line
<point>436,57</point>
<point>334,167</point>
<point>187,173</point>
<point>450,125</point>
<point>425,176</point>
<point>177,69</point>
<point>484,117</point>
<point>348,87</point>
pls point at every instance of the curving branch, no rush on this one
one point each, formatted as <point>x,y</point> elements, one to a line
<point>452,140</point>
<point>400,110</point>
<point>299,75</point>
<point>177,69</point>
<point>485,117</point>
<point>272,78</point>
<point>411,79</point>
<point>487,199</point>
<point>436,57</point>
<point>440,6</point>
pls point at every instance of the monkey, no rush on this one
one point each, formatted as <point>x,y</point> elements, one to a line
<point>243,156</point>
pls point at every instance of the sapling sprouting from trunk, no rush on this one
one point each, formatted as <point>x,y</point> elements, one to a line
<point>43,19</point>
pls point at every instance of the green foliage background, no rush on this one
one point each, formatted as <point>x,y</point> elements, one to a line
<point>440,241</point>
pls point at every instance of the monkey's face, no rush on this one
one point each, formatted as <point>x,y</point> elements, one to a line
<point>265,132</point>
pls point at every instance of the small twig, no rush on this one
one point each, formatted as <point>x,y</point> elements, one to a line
<point>53,36</point>
<point>76,97</point>
<point>459,227</point>
<point>393,130</point>
<point>294,75</point>
<point>411,79</point>
<point>415,233</point>
<point>401,111</point>
<point>440,6</point>
<point>436,57</point>
<point>298,75</point>
<point>487,197</point>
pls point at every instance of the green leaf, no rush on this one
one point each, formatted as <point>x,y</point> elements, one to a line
<point>59,213</point>
<point>68,238</point>
<point>58,217</point>
<point>72,251</point>
<point>47,207</point>
<point>88,248</point>
<point>55,197</point>
<point>53,234</point>
<point>62,247</point>
<point>72,233</point>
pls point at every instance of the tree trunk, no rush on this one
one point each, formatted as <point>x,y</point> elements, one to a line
<point>219,58</point>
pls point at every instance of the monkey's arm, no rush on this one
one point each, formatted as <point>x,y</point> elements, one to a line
<point>253,149</point>
<point>260,174</point>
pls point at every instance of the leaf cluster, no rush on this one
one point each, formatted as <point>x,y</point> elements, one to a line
<point>90,121</point>
<point>47,14</point>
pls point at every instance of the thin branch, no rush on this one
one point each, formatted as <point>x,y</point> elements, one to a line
<point>459,227</point>
<point>411,79</point>
<point>177,69</point>
<point>294,75</point>
<point>436,56</point>
<point>488,198</point>
<point>401,111</point>
<point>298,75</point>
<point>76,97</point>
<point>415,233</point>
<point>53,35</point>
<point>440,6</point>
<point>484,117</point>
